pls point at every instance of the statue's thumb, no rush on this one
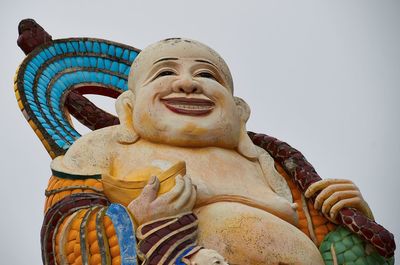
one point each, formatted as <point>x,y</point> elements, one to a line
<point>150,191</point>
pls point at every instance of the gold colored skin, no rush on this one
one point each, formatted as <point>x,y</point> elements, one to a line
<point>221,160</point>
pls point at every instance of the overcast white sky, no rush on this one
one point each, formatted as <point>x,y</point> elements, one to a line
<point>323,76</point>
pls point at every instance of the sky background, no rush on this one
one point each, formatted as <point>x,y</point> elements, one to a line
<point>323,76</point>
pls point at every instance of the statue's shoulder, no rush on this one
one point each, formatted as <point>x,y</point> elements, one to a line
<point>90,154</point>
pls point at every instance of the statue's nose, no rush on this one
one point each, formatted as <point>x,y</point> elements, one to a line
<point>186,84</point>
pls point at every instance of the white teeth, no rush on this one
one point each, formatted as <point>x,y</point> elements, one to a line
<point>192,107</point>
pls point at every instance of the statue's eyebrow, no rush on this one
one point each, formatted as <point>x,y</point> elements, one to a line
<point>165,59</point>
<point>204,61</point>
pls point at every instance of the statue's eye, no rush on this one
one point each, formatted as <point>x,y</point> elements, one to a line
<point>206,75</point>
<point>165,73</point>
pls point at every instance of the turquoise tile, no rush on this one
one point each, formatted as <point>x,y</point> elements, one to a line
<point>122,68</point>
<point>35,63</point>
<point>121,84</point>
<point>93,62</point>
<point>53,69</point>
<point>132,56</point>
<point>48,54</point>
<point>82,46</point>
<point>28,77</point>
<point>125,55</point>
<point>88,45</point>
<point>100,63</point>
<point>31,69</point>
<point>53,51</point>
<point>114,66</point>
<point>96,47</point>
<point>114,80</point>
<point>118,51</point>
<point>79,61</point>
<point>74,62</point>
<point>75,44</point>
<point>70,48</point>
<point>111,50</point>
<point>86,62</point>
<point>58,49</point>
<point>67,62</point>
<point>104,48</point>
<point>63,47</point>
<point>107,64</point>
<point>107,79</point>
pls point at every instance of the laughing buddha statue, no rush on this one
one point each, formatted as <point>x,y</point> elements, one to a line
<point>181,166</point>
<point>176,178</point>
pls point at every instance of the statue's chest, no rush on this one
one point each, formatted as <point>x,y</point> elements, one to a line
<point>214,171</point>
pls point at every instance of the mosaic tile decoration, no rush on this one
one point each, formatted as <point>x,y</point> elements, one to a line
<point>51,71</point>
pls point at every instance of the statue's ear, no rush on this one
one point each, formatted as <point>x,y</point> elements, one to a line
<point>244,109</point>
<point>125,133</point>
<point>246,146</point>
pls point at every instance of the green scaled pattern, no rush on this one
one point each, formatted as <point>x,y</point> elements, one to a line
<point>349,249</point>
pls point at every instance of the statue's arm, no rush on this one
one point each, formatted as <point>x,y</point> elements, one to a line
<point>81,226</point>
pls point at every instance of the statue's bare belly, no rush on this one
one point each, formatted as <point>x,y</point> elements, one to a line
<point>247,235</point>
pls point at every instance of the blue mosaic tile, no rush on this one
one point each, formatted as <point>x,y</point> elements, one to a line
<point>114,80</point>
<point>121,83</point>
<point>93,62</point>
<point>100,63</point>
<point>73,62</point>
<point>107,80</point>
<point>86,62</point>
<point>53,51</point>
<point>48,54</point>
<point>132,56</point>
<point>35,63</point>
<point>58,49</point>
<point>107,64</point>
<point>118,51</point>
<point>88,45</point>
<point>125,55</point>
<point>75,45</point>
<point>127,71</point>
<point>104,48</point>
<point>114,67</point>
<point>31,69</point>
<point>79,61</point>
<point>82,46</point>
<point>63,47</point>
<point>111,50</point>
<point>70,48</point>
<point>96,47</point>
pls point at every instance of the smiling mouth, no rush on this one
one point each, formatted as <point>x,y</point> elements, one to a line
<point>189,106</point>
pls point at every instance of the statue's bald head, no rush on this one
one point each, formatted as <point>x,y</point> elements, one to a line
<point>177,48</point>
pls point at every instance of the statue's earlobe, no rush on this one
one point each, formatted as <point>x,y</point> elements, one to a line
<point>125,133</point>
<point>246,146</point>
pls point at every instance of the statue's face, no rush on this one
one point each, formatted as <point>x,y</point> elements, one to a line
<point>183,97</point>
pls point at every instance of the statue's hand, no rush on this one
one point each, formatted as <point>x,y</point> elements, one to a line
<point>147,206</point>
<point>335,194</point>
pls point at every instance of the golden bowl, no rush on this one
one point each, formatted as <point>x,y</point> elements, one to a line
<point>124,191</point>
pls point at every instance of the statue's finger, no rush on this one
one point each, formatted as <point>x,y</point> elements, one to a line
<point>175,192</point>
<point>322,184</point>
<point>192,200</point>
<point>186,194</point>
<point>337,196</point>
<point>351,203</point>
<point>150,191</point>
<point>328,191</point>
